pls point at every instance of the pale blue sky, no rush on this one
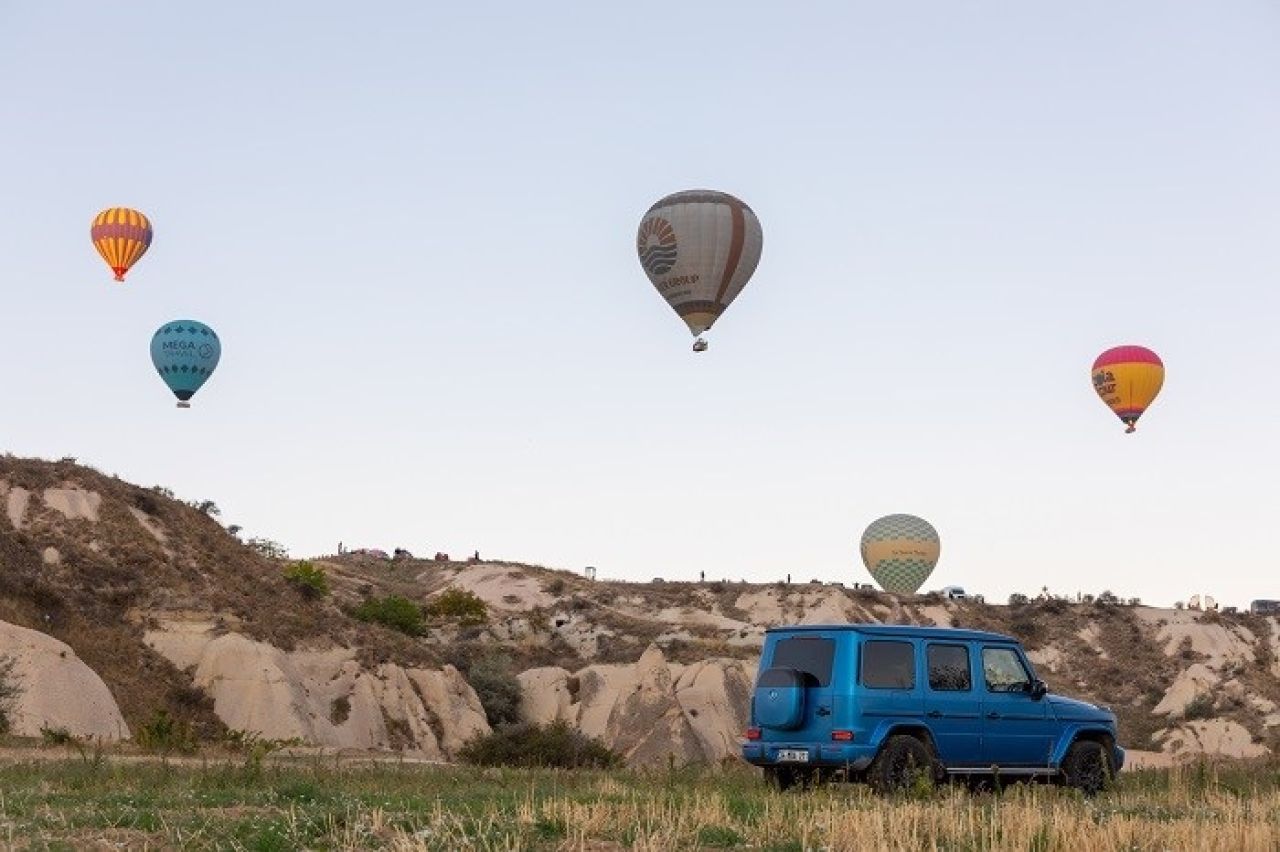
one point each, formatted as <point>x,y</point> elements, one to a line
<point>412,225</point>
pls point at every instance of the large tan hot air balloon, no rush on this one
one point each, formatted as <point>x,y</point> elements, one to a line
<point>900,552</point>
<point>699,248</point>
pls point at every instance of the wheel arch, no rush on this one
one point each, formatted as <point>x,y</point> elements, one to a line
<point>910,729</point>
<point>1102,736</point>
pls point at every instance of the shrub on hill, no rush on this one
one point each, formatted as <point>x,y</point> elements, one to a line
<point>494,680</point>
<point>555,745</point>
<point>164,734</point>
<point>461,604</point>
<point>9,691</point>
<point>308,578</point>
<point>393,611</point>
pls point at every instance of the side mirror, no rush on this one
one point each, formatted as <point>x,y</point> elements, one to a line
<point>1039,689</point>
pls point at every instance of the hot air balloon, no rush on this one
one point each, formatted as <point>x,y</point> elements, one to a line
<point>121,236</point>
<point>185,353</point>
<point>1128,379</point>
<point>900,552</point>
<point>699,248</point>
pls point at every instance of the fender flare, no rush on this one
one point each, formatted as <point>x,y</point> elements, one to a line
<point>1072,733</point>
<point>888,727</point>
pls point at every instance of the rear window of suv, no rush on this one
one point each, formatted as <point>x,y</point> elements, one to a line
<point>811,656</point>
<point>888,665</point>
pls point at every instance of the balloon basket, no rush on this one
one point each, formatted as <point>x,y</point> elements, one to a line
<point>184,405</point>
<point>699,345</point>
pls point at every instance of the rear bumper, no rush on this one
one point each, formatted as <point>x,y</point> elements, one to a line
<point>831,755</point>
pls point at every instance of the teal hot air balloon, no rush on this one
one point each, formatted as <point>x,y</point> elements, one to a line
<point>185,353</point>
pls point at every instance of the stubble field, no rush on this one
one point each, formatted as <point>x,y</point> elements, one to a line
<point>88,801</point>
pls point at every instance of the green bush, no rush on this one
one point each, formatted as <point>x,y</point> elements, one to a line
<point>56,736</point>
<point>9,691</point>
<point>465,606</point>
<point>556,745</point>
<point>1200,707</point>
<point>309,579</point>
<point>494,680</point>
<point>165,734</point>
<point>395,612</point>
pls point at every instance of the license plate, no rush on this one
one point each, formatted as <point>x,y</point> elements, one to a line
<point>791,755</point>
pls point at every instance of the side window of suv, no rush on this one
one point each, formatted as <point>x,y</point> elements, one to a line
<point>888,665</point>
<point>949,668</point>
<point>1004,671</point>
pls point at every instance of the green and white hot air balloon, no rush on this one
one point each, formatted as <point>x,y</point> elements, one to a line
<point>900,552</point>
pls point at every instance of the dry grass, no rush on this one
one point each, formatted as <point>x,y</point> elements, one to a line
<point>288,805</point>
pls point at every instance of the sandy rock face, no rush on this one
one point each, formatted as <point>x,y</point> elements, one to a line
<point>544,695</point>
<point>714,700</point>
<point>16,500</point>
<point>254,687</point>
<point>647,724</point>
<point>74,503</point>
<point>1219,737</point>
<point>503,587</point>
<point>57,689</point>
<point>1194,681</point>
<point>651,711</point>
<point>324,697</point>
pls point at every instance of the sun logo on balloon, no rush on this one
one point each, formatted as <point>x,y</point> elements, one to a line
<point>656,244</point>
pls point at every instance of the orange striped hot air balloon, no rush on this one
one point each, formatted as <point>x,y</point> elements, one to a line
<point>121,236</point>
<point>1128,379</point>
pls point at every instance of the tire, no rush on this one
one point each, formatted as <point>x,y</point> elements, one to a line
<point>902,759</point>
<point>1087,767</point>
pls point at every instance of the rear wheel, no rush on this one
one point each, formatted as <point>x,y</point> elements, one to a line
<point>903,760</point>
<point>1087,767</point>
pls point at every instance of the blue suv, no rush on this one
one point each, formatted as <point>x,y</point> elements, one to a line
<point>889,704</point>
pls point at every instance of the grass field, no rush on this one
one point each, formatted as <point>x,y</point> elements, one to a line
<point>83,802</point>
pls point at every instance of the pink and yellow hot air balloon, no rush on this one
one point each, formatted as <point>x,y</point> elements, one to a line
<point>1128,379</point>
<point>121,236</point>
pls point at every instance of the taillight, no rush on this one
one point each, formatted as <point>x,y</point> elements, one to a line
<point>842,736</point>
<point>753,733</point>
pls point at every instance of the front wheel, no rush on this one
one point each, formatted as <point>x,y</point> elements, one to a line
<point>902,760</point>
<point>1087,767</point>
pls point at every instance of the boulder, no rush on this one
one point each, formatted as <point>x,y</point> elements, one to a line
<point>56,689</point>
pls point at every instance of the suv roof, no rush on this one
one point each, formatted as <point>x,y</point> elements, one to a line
<point>898,630</point>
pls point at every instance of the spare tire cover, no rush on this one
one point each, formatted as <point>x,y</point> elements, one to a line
<point>779,699</point>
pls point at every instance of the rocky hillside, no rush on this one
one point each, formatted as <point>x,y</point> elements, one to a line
<point>134,603</point>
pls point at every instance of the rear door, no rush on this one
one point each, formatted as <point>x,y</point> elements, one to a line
<point>813,656</point>
<point>888,687</point>
<point>1018,730</point>
<point>952,707</point>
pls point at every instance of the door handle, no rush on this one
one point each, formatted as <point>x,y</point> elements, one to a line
<point>934,714</point>
<point>993,715</point>
<point>823,711</point>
